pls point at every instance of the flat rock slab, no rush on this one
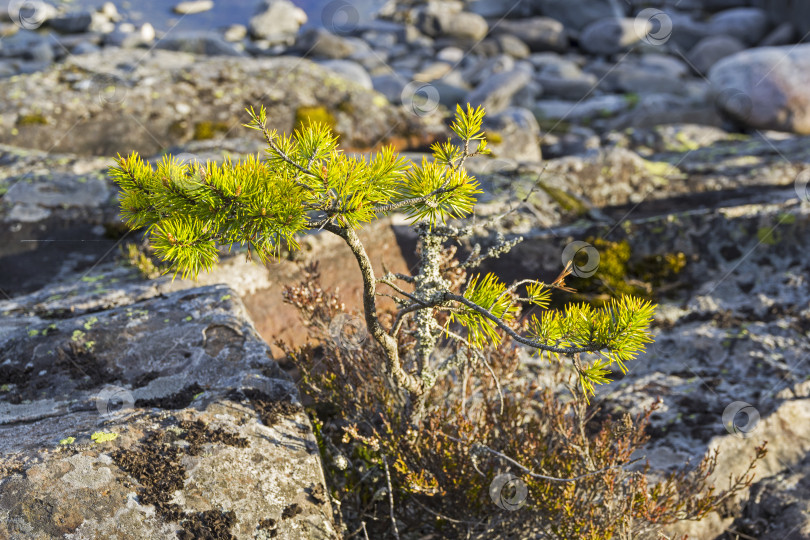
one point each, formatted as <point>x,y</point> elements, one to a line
<point>730,358</point>
<point>138,414</point>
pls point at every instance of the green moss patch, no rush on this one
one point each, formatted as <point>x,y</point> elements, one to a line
<point>620,273</point>
<point>208,130</point>
<point>32,120</point>
<point>567,202</point>
<point>306,115</point>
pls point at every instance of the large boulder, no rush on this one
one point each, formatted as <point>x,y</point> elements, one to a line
<point>126,413</point>
<point>766,88</point>
<point>104,103</point>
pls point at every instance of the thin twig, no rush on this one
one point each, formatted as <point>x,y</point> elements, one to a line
<point>390,499</point>
<point>542,476</point>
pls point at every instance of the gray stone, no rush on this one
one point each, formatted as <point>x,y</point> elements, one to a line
<point>463,26</point>
<point>198,42</point>
<point>186,404</point>
<point>577,141</point>
<point>577,14</point>
<point>778,507</point>
<point>686,31</point>
<point>609,36</point>
<point>235,32</point>
<point>562,78</point>
<point>749,25</point>
<point>277,21</point>
<point>71,23</point>
<point>512,46</point>
<point>318,42</point>
<point>572,111</point>
<point>22,43</point>
<point>648,75</point>
<point>101,23</point>
<point>576,85</point>
<point>483,70</point>
<point>539,33</point>
<point>736,333</point>
<point>765,88</point>
<point>652,110</point>
<point>351,71</point>
<point>513,134</point>
<point>496,93</point>
<point>709,50</point>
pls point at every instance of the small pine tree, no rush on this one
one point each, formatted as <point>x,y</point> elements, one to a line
<point>396,400</point>
<point>307,183</point>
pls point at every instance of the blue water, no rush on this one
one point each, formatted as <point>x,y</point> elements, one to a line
<point>333,14</point>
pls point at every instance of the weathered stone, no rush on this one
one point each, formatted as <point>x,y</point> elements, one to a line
<point>496,93</point>
<point>710,50</point>
<point>71,23</point>
<point>765,88</point>
<point>318,42</point>
<point>351,71</point>
<point>731,334</point>
<point>277,21</point>
<point>113,108</point>
<point>609,36</point>
<point>185,427</point>
<point>539,33</point>
<point>461,26</point>
<point>513,134</point>
<point>749,25</point>
<point>778,508</point>
<point>577,14</point>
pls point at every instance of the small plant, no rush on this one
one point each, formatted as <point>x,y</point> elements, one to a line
<point>307,183</point>
<point>402,398</point>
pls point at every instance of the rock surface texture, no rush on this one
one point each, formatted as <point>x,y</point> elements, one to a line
<point>126,413</point>
<point>766,88</point>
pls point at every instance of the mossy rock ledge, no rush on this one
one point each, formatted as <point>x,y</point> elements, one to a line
<point>129,413</point>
